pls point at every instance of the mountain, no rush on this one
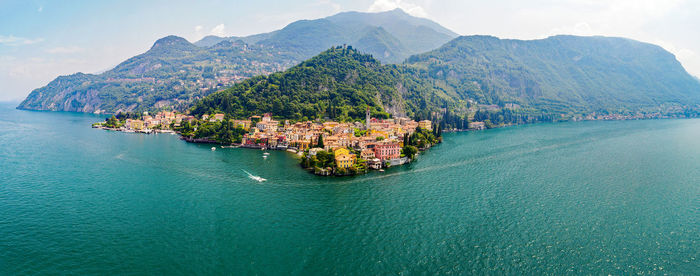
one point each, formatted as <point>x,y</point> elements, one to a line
<point>339,83</point>
<point>562,73</point>
<point>417,34</point>
<point>390,36</point>
<point>175,72</point>
<point>504,81</point>
<point>172,74</point>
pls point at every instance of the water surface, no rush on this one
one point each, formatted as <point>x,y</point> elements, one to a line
<point>588,197</point>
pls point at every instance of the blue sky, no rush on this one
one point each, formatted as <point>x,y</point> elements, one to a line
<point>40,40</point>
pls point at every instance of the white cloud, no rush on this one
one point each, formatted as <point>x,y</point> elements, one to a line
<point>65,50</point>
<point>12,40</point>
<point>679,52</point>
<point>687,57</point>
<point>387,5</point>
<point>335,6</point>
<point>685,54</point>
<point>200,32</point>
<point>218,30</point>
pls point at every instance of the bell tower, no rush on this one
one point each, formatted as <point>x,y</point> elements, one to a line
<point>367,118</point>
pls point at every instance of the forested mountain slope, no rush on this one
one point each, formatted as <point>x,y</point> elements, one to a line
<point>340,83</point>
<point>562,73</point>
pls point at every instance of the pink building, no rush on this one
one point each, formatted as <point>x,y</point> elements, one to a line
<point>387,151</point>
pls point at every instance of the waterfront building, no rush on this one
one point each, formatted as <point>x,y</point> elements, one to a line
<point>477,125</point>
<point>134,124</point>
<point>374,163</point>
<point>387,150</point>
<point>343,158</point>
<point>367,154</point>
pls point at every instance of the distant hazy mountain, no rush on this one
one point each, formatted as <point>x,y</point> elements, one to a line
<point>389,36</point>
<point>171,74</point>
<point>562,73</point>
<point>174,72</point>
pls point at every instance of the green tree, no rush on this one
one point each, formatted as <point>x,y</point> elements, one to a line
<point>112,122</point>
<point>409,151</point>
<point>320,141</point>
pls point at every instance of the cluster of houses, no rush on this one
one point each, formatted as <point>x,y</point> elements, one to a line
<point>161,120</point>
<point>377,141</point>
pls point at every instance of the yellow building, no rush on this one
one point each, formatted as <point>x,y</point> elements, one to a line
<point>376,133</point>
<point>134,124</point>
<point>302,144</point>
<point>426,124</point>
<point>343,158</point>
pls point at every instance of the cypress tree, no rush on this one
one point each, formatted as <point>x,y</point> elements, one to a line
<point>320,141</point>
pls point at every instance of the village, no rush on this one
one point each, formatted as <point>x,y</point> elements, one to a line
<point>352,147</point>
<point>327,148</point>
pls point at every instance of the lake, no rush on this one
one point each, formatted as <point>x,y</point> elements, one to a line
<point>617,197</point>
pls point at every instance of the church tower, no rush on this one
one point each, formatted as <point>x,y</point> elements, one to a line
<point>367,119</point>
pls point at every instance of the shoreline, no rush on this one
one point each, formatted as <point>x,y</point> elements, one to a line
<point>336,171</point>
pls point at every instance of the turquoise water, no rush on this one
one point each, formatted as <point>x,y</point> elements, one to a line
<point>568,198</point>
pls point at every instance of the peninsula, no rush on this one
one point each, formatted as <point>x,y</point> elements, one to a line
<point>325,147</point>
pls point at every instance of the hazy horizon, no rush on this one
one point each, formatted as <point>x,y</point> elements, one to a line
<point>42,40</point>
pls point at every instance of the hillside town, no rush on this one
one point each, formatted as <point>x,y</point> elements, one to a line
<point>333,148</point>
<point>327,148</point>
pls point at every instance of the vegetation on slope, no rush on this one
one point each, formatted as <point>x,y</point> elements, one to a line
<point>562,74</point>
<point>339,84</point>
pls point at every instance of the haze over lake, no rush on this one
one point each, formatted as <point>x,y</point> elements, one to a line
<point>616,197</point>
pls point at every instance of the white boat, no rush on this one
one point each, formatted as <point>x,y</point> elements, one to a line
<point>254,177</point>
<point>267,153</point>
<point>264,156</point>
<point>213,148</point>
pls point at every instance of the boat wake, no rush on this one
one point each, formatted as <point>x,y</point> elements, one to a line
<point>254,177</point>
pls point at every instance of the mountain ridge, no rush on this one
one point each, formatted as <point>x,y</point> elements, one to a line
<point>562,73</point>
<point>174,72</point>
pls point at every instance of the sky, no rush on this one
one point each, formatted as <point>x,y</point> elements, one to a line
<point>41,39</point>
